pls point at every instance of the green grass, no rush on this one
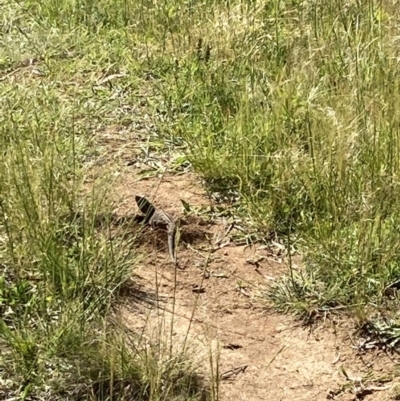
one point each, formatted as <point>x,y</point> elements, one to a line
<point>294,109</point>
<point>289,106</point>
<point>70,80</point>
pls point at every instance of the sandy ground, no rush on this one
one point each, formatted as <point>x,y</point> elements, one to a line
<point>214,301</point>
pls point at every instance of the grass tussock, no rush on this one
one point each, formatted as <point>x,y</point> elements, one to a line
<point>293,106</point>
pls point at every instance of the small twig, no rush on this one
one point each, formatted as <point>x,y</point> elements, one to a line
<point>3,78</point>
<point>228,230</point>
<point>233,372</point>
<point>337,359</point>
<point>273,358</point>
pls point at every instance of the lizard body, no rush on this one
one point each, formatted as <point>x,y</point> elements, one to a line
<point>157,217</point>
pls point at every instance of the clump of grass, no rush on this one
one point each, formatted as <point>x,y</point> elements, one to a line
<point>60,271</point>
<point>293,106</point>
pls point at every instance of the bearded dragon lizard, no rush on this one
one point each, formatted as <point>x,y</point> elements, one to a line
<point>157,217</point>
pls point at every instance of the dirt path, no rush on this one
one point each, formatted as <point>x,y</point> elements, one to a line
<point>219,293</point>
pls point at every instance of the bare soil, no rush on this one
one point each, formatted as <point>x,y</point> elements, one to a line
<point>219,306</point>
